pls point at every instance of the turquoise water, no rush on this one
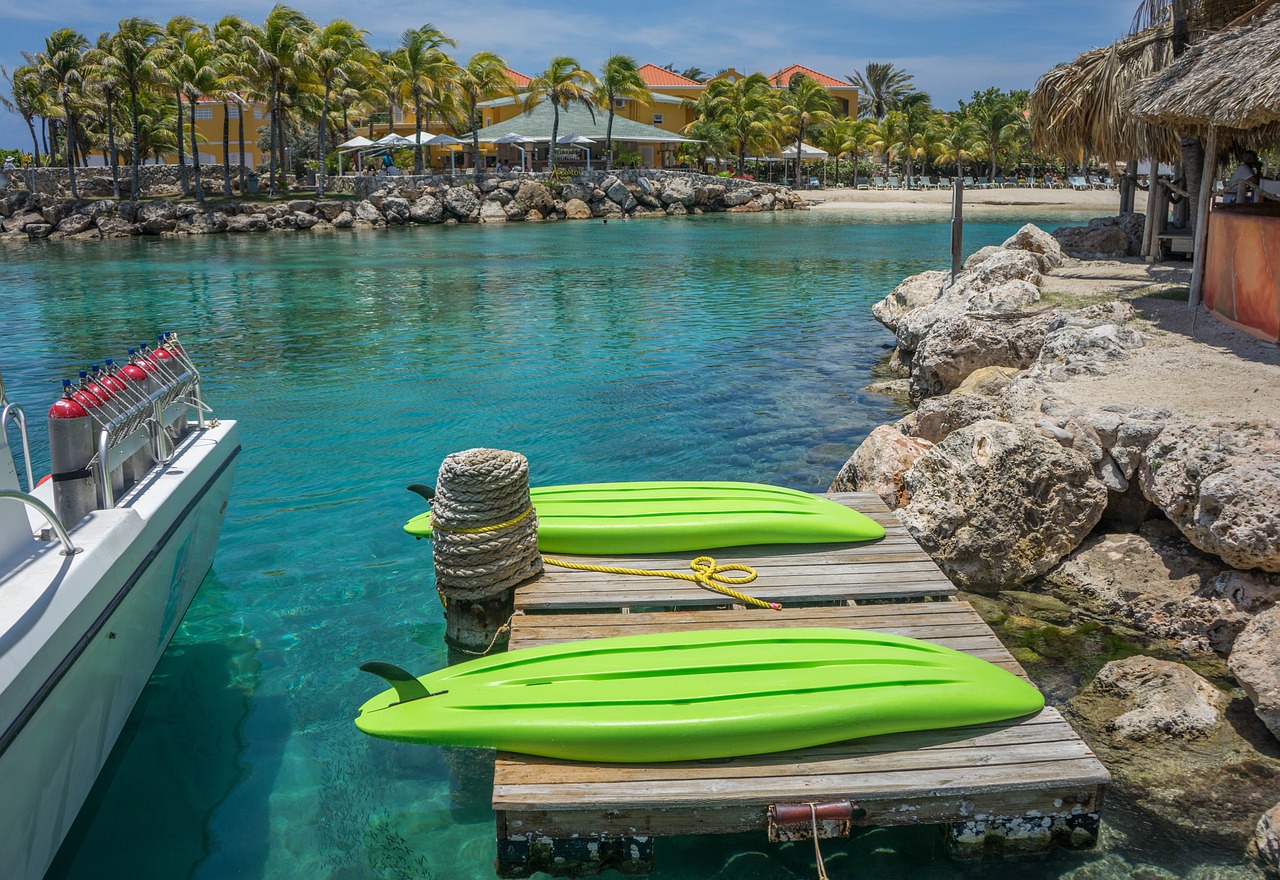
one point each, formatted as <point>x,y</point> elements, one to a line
<point>710,348</point>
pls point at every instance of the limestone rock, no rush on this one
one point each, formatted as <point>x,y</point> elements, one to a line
<point>366,211</point>
<point>75,223</point>
<point>997,504</point>
<point>1220,484</point>
<point>1084,340</point>
<point>914,293</point>
<point>957,346</point>
<point>1265,846</point>
<point>618,192</point>
<point>676,209</point>
<point>305,206</point>
<point>937,417</point>
<point>344,220</point>
<point>577,209</point>
<point>18,221</point>
<point>678,190</point>
<point>395,209</point>
<point>330,209</point>
<point>606,208</point>
<point>247,223</point>
<point>988,381</point>
<point>1255,663</point>
<point>1161,700</point>
<point>534,196</point>
<point>39,230</point>
<point>462,203</point>
<point>1003,265</point>
<point>980,255</point>
<point>303,220</point>
<point>114,226</point>
<point>1107,243</point>
<point>427,209</point>
<point>1035,240</point>
<point>492,212</point>
<point>879,463</point>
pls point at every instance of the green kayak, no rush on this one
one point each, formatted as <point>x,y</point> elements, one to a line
<point>607,519</point>
<point>692,695</point>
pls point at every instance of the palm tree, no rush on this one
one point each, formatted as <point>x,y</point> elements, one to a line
<point>193,66</point>
<point>805,104</point>
<point>958,140</point>
<point>883,85</point>
<point>863,134</point>
<point>278,51</point>
<point>619,79</point>
<point>101,78</point>
<point>564,82</point>
<point>837,139</point>
<point>905,128</point>
<point>707,139</point>
<point>132,56</point>
<point>420,67</point>
<point>697,74</point>
<point>336,49</point>
<point>746,109</point>
<point>483,78</point>
<point>27,91</point>
<point>997,121</point>
<point>175,31</point>
<point>61,65</point>
<point>228,35</point>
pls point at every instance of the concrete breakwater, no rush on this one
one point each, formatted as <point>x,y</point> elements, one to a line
<point>1120,524</point>
<point>400,202</point>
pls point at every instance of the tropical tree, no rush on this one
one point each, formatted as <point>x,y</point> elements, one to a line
<point>697,74</point>
<point>133,56</point>
<point>958,140</point>
<point>882,88</point>
<point>103,83</point>
<point>837,139</point>
<point>28,98</point>
<point>61,66</point>
<point>805,104</point>
<point>746,110</point>
<point>483,78</point>
<point>336,50</point>
<point>194,67</point>
<point>237,76</point>
<point>278,51</point>
<point>564,82</point>
<point>619,79</point>
<point>707,139</point>
<point>996,116</point>
<point>905,130</point>
<point>176,30</point>
<point>420,69</point>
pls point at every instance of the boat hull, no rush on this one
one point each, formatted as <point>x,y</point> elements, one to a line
<point>702,694</point>
<point>611,519</point>
<point>88,643</point>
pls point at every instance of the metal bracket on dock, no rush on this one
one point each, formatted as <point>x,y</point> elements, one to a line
<point>790,822</point>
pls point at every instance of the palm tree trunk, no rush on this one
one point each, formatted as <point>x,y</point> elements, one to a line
<point>182,158</point>
<point>195,154</point>
<point>226,148</point>
<point>417,131</point>
<point>555,133</point>
<point>71,147</point>
<point>35,145</point>
<point>134,158</point>
<point>324,125</point>
<point>111,142</point>
<point>608,139</point>
<point>475,133</point>
<point>275,107</point>
<point>241,121</point>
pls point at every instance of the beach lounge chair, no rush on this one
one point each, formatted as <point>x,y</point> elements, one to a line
<point>877,182</point>
<point>1000,182</point>
<point>984,183</point>
<point>944,183</point>
<point>969,183</point>
<point>892,183</point>
<point>814,183</point>
<point>863,184</point>
<point>1077,183</point>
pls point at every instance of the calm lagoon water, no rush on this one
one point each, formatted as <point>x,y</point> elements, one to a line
<point>709,348</point>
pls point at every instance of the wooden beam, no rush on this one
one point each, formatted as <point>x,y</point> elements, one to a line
<point>1202,214</point>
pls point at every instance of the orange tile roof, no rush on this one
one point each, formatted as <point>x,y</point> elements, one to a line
<point>518,78</point>
<point>783,77</point>
<point>659,76</point>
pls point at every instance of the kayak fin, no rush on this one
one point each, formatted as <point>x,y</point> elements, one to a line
<point>407,687</point>
<point>424,490</point>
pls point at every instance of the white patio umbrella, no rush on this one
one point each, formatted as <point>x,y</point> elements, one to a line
<point>393,140</point>
<point>354,144</point>
<point>806,152</point>
<point>581,141</point>
<point>516,139</point>
<point>445,140</point>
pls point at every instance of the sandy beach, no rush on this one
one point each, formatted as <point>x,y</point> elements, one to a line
<point>1104,201</point>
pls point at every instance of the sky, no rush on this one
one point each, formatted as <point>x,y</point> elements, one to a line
<point>951,47</point>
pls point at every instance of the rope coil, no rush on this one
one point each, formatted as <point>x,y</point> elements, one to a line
<point>483,526</point>
<point>707,573</point>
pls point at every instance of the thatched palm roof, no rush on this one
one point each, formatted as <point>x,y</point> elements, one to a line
<point>1229,80</point>
<point>1080,105</point>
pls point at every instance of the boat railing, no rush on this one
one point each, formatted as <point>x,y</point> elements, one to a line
<point>68,548</point>
<point>13,413</point>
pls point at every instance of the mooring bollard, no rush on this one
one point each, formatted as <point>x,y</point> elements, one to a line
<point>485,542</point>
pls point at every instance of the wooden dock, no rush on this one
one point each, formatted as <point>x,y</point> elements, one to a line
<point>1013,786</point>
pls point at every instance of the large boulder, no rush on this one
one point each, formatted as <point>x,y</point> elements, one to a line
<point>1035,240</point>
<point>996,504</point>
<point>577,209</point>
<point>462,203</point>
<point>957,346</point>
<point>678,190</point>
<point>1255,662</point>
<point>536,197</point>
<point>492,212</point>
<point>427,209</point>
<point>914,293</point>
<point>1163,700</point>
<point>1219,482</point>
<point>938,417</point>
<point>368,212</point>
<point>1093,243</point>
<point>1265,846</point>
<point>879,464</point>
<point>1086,340</point>
<point>75,223</point>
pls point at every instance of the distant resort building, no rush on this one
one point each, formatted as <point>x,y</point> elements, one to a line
<point>210,114</point>
<point>650,129</point>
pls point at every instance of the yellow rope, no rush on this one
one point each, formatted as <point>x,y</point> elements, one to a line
<point>479,530</point>
<point>706,573</point>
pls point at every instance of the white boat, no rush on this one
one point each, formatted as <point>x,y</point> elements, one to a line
<point>87,610</point>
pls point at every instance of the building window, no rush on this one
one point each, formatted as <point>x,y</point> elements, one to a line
<point>204,113</point>
<point>233,112</point>
<point>258,114</point>
<point>657,119</point>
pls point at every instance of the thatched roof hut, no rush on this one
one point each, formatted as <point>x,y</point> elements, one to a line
<point>1080,105</point>
<point>1229,81</point>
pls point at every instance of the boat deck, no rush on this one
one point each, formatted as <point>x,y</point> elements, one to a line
<point>1032,781</point>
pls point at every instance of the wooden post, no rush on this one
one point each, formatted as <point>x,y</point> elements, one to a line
<point>1128,184</point>
<point>1202,217</point>
<point>1154,201</point>
<point>957,226</point>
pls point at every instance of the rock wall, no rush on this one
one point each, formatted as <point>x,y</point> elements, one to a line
<point>406,201</point>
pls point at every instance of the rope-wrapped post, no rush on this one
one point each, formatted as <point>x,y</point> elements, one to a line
<point>485,537</point>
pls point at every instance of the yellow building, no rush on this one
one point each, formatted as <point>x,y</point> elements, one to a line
<point>209,119</point>
<point>844,94</point>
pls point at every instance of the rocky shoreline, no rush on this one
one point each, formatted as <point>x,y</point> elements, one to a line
<point>1134,544</point>
<point>411,201</point>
